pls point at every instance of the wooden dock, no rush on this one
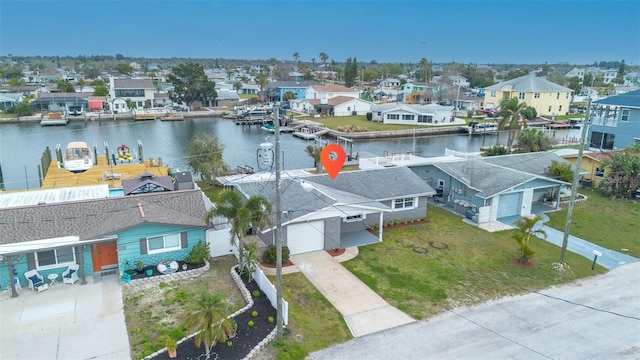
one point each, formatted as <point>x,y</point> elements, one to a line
<point>144,116</point>
<point>309,134</point>
<point>58,177</point>
<point>54,119</point>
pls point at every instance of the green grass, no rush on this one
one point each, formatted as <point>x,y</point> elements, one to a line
<point>7,116</point>
<point>475,266</point>
<point>314,323</point>
<point>608,223</point>
<point>358,121</point>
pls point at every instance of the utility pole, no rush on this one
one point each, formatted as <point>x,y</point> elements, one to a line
<point>279,318</point>
<point>576,179</point>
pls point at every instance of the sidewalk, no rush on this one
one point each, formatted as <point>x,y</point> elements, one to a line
<point>609,259</point>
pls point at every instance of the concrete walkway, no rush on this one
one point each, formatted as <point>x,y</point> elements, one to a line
<point>364,311</point>
<point>609,259</point>
<point>65,322</point>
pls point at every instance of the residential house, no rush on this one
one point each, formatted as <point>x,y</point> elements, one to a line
<point>464,102</point>
<point>406,114</point>
<point>418,93</point>
<point>335,106</point>
<point>486,189</point>
<point>104,233</point>
<point>330,91</point>
<point>59,102</point>
<point>226,98</point>
<point>549,99</point>
<point>576,72</point>
<point>615,121</point>
<point>594,170</point>
<point>320,213</point>
<point>386,94</point>
<point>9,100</point>
<point>390,83</point>
<point>275,90</point>
<point>139,91</point>
<point>632,79</point>
<point>250,89</point>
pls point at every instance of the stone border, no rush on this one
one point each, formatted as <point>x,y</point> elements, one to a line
<point>247,297</point>
<point>168,277</point>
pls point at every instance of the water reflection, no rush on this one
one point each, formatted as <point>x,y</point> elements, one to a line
<point>21,145</point>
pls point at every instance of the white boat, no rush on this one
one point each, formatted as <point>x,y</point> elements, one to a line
<point>77,157</point>
<point>477,128</point>
<point>268,125</point>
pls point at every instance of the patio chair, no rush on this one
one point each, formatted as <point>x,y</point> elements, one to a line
<point>70,275</point>
<point>36,281</point>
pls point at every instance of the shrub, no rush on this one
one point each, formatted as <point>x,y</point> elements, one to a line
<point>199,253</point>
<point>256,293</point>
<point>250,323</point>
<point>270,318</point>
<point>229,343</point>
<point>254,313</point>
<point>369,116</point>
<point>270,254</point>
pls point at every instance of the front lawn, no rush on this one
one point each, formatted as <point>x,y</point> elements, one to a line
<point>612,224</point>
<point>426,269</point>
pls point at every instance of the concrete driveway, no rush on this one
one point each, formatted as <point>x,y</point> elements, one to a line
<point>65,322</point>
<point>596,318</point>
<point>364,311</point>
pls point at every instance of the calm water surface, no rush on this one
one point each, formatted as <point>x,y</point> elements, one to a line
<point>22,145</point>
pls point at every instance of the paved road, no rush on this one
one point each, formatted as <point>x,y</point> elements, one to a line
<point>597,318</point>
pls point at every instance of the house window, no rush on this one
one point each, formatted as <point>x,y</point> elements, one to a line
<point>558,96</point>
<point>624,115</point>
<point>393,117</point>
<point>560,108</point>
<point>521,96</point>
<point>160,244</point>
<point>348,108</point>
<point>407,117</point>
<point>536,95</point>
<point>493,93</point>
<point>379,113</point>
<point>599,172</point>
<point>549,108</point>
<point>425,118</point>
<point>54,258</point>
<point>567,96</point>
<point>404,203</point>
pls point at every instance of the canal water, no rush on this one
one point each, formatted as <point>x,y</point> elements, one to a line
<point>22,145</point>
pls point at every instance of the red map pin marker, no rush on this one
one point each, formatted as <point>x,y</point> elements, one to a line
<point>333,157</point>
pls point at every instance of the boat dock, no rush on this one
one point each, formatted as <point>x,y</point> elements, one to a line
<point>558,125</point>
<point>100,173</point>
<point>309,133</point>
<point>54,119</point>
<point>144,116</point>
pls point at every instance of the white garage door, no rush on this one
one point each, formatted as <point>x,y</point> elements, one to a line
<point>305,237</point>
<point>509,204</point>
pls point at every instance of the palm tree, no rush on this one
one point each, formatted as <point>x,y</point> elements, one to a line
<point>296,58</point>
<point>255,211</point>
<point>426,69</point>
<point>209,320</point>
<point>526,227</point>
<point>314,151</point>
<point>324,57</point>
<point>533,140</point>
<point>263,81</point>
<point>560,171</point>
<point>510,109</point>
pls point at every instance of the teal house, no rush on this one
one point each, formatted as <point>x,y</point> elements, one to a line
<point>99,235</point>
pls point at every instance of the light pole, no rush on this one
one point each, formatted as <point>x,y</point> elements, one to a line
<point>279,318</point>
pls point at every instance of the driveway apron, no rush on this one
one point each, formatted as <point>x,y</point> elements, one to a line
<point>364,311</point>
<point>65,322</point>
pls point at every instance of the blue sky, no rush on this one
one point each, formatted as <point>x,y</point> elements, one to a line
<point>575,32</point>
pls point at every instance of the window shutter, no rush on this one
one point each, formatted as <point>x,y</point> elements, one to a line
<point>31,261</point>
<point>143,245</point>
<point>183,240</point>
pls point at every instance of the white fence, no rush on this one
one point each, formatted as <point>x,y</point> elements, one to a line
<point>268,289</point>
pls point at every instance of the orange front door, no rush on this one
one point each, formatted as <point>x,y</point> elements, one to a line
<point>104,254</point>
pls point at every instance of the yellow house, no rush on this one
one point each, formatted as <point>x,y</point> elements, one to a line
<point>549,99</point>
<point>592,164</point>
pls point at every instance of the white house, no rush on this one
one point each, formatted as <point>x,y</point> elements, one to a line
<point>336,106</point>
<point>330,91</point>
<point>390,82</point>
<point>139,91</point>
<point>412,114</point>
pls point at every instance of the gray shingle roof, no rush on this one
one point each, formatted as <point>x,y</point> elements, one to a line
<point>534,163</point>
<point>630,99</point>
<point>529,83</point>
<point>93,219</point>
<point>133,84</point>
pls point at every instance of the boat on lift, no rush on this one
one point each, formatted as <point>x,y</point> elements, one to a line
<point>77,157</point>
